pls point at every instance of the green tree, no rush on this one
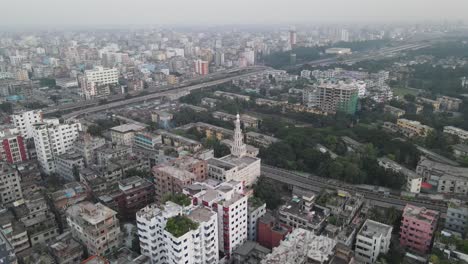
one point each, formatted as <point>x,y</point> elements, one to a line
<point>6,108</point>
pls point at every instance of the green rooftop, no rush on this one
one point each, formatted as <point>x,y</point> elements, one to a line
<point>179,225</point>
<point>255,202</point>
<point>178,198</point>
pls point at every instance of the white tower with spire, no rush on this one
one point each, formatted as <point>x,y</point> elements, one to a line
<point>239,149</point>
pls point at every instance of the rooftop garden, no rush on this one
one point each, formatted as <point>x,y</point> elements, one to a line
<point>178,198</point>
<point>255,202</point>
<point>179,225</point>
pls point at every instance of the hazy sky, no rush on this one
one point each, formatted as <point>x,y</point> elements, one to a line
<point>120,12</point>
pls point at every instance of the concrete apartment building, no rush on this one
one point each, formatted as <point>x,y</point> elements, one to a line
<point>447,178</point>
<point>270,231</point>
<point>372,240</point>
<point>51,139</point>
<point>92,80</point>
<point>66,250</point>
<point>96,226</point>
<point>413,180</point>
<point>457,217</point>
<point>302,246</point>
<point>133,194</point>
<point>411,128</point>
<point>171,180</point>
<point>10,186</point>
<point>417,228</point>
<point>259,140</point>
<point>460,133</point>
<point>246,120</point>
<point>14,231</point>
<point>147,141</point>
<point>397,112</point>
<point>38,219</point>
<point>255,210</point>
<point>71,194</point>
<point>7,251</point>
<point>230,204</point>
<point>449,103</point>
<point>331,97</point>
<point>232,96</point>
<point>124,134</point>
<point>197,243</point>
<point>66,163</point>
<point>85,145</point>
<point>12,146</point>
<point>24,122</point>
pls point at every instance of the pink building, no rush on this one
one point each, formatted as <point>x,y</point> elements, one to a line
<point>417,228</point>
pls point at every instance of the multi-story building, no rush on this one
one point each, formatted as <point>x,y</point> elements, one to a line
<point>332,97</point>
<point>230,204</point>
<point>146,140</point>
<point>418,227</point>
<point>372,240</point>
<point>303,213</point>
<point>259,140</point>
<point>201,67</point>
<point>256,209</point>
<point>15,231</point>
<point>7,251</point>
<point>51,139</point>
<point>412,128</point>
<point>24,122</point>
<point>238,166</point>
<point>413,180</point>
<point>134,193</point>
<point>449,103</point>
<point>302,246</point>
<point>232,96</point>
<point>124,134</point>
<point>85,145</point>
<point>66,250</point>
<point>71,194</point>
<point>170,180</point>
<point>10,187</point>
<point>38,219</point>
<point>457,217</point>
<point>394,110</point>
<point>270,231</point>
<point>460,133</point>
<point>12,147</point>
<point>96,226</point>
<point>246,120</point>
<point>447,178</point>
<point>93,80</point>
<point>176,234</point>
<point>460,150</point>
<point>68,165</point>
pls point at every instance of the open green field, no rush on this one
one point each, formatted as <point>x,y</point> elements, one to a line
<point>401,91</point>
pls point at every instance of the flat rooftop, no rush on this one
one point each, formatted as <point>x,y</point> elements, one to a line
<point>201,214</point>
<point>372,228</point>
<point>180,174</point>
<point>91,213</point>
<point>241,162</point>
<point>125,128</point>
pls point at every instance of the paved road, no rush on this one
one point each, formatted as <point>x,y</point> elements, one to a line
<point>174,91</point>
<point>316,184</point>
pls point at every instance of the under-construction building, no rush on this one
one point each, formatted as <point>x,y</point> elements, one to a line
<point>332,96</point>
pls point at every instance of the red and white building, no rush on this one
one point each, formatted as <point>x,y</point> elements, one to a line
<point>227,199</point>
<point>12,148</point>
<point>201,67</point>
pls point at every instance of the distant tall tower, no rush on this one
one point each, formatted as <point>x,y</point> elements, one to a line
<point>344,35</point>
<point>292,37</point>
<point>239,149</point>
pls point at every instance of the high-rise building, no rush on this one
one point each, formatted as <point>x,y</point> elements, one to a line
<point>176,234</point>
<point>10,187</point>
<point>372,240</point>
<point>201,67</point>
<point>12,147</point>
<point>344,35</point>
<point>292,37</point>
<point>7,252</point>
<point>95,226</point>
<point>52,138</point>
<point>24,122</point>
<point>418,227</point>
<point>219,58</point>
<point>85,146</point>
<point>230,204</point>
<point>94,83</point>
<point>331,97</point>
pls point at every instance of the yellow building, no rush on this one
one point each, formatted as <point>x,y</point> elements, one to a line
<point>412,128</point>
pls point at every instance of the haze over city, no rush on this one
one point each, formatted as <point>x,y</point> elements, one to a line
<point>213,12</point>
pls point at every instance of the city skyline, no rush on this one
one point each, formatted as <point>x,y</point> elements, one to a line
<point>243,12</point>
